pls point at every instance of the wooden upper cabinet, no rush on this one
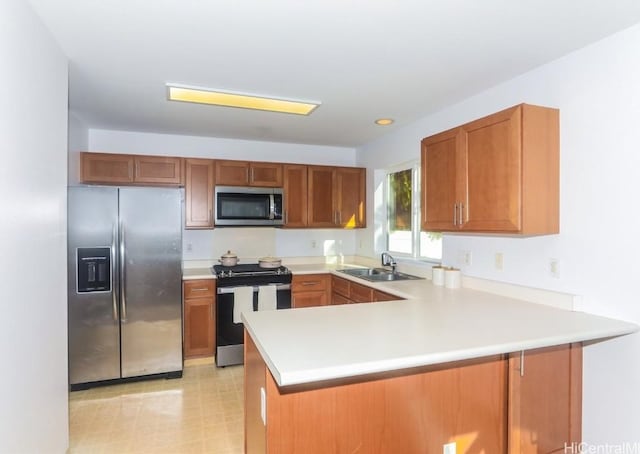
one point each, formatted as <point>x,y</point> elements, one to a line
<point>336,197</point>
<point>106,168</point>
<point>498,174</point>
<point>245,173</point>
<point>321,197</point>
<point>130,169</point>
<point>350,187</point>
<point>199,193</point>
<point>158,170</point>
<point>295,195</point>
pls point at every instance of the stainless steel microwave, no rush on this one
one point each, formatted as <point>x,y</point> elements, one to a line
<point>248,206</point>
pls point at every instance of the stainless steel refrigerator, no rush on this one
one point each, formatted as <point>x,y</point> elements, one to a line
<point>125,283</point>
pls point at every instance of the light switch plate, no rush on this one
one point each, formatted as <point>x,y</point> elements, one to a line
<point>449,448</point>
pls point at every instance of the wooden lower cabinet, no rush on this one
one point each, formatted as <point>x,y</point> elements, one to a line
<point>482,405</point>
<point>199,317</point>
<point>345,291</point>
<point>309,290</point>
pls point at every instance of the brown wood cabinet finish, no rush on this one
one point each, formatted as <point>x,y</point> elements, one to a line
<point>199,193</point>
<point>309,290</point>
<point>199,317</point>
<point>130,169</point>
<point>345,291</point>
<point>295,195</point>
<point>106,168</point>
<point>321,195</point>
<point>484,405</point>
<point>158,170</point>
<point>383,296</point>
<point>336,197</point>
<point>360,293</point>
<point>246,173</point>
<point>498,174</point>
<point>546,401</point>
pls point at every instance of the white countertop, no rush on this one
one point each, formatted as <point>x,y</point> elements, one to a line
<point>197,273</point>
<point>436,325</point>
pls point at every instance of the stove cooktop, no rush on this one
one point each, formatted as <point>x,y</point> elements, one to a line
<point>248,269</point>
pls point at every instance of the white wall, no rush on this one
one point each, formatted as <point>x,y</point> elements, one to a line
<point>78,134</point>
<point>33,179</point>
<point>246,242</point>
<point>597,90</point>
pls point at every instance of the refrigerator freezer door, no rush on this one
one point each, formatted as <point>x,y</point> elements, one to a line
<point>151,280</point>
<point>94,348</point>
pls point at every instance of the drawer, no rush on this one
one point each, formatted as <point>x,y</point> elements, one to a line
<point>309,282</point>
<point>336,299</point>
<point>360,293</point>
<point>339,285</point>
<point>199,288</point>
<point>382,296</point>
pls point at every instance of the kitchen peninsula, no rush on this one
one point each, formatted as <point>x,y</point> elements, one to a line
<point>489,373</point>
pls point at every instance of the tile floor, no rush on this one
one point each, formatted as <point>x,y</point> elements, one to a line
<point>200,413</point>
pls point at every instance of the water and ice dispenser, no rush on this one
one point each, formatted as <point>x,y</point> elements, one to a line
<point>94,269</point>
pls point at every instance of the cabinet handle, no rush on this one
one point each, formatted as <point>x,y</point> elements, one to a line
<point>252,175</point>
<point>307,283</point>
<point>522,363</point>
<point>247,173</point>
<point>212,310</point>
<point>201,289</point>
<point>455,214</point>
<point>286,217</point>
<point>461,213</point>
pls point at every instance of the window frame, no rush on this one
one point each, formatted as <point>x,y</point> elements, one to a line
<point>414,166</point>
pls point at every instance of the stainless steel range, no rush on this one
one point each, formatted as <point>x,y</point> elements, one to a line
<point>237,282</point>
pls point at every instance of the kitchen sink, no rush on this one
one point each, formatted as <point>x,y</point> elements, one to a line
<point>378,274</point>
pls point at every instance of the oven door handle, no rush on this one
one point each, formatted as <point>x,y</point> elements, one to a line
<point>225,290</point>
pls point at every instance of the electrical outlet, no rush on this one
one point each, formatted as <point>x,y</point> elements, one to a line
<point>499,261</point>
<point>189,247</point>
<point>554,268</point>
<point>466,258</point>
<point>449,448</point>
<point>313,244</point>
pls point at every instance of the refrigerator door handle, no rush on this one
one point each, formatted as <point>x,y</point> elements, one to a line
<point>114,279</point>
<point>123,281</point>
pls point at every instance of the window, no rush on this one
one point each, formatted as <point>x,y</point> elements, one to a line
<point>404,237</point>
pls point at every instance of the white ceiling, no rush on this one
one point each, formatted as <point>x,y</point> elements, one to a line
<point>363,59</point>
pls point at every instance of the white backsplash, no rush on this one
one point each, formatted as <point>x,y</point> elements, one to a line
<point>254,242</point>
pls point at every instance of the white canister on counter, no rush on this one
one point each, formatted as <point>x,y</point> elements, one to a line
<point>437,275</point>
<point>452,278</point>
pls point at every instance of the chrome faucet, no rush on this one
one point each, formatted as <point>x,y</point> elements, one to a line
<point>388,260</point>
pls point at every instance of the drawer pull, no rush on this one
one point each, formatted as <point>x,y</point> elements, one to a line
<point>201,289</point>
<point>310,283</point>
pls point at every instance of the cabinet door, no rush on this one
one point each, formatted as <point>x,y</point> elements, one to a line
<point>199,193</point>
<point>337,299</point>
<point>340,286</point>
<point>439,181</point>
<point>350,187</point>
<point>199,318</point>
<point>321,197</point>
<point>232,173</point>
<point>493,154</point>
<point>106,168</point>
<point>158,170</point>
<point>545,396</point>
<point>360,293</point>
<point>295,195</point>
<point>310,299</point>
<point>382,296</point>
<point>265,174</point>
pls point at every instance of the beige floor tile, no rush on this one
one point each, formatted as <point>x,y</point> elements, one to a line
<point>199,413</point>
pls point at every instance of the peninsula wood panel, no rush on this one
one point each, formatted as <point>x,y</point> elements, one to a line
<point>295,195</point>
<point>415,413</point>
<point>199,193</point>
<point>255,374</point>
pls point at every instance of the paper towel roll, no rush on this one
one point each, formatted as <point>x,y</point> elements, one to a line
<point>437,275</point>
<point>452,278</point>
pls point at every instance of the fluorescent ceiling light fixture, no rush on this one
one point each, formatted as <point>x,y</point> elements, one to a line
<point>384,121</point>
<point>244,101</point>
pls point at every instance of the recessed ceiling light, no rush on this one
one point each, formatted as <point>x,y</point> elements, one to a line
<point>384,121</point>
<point>244,101</point>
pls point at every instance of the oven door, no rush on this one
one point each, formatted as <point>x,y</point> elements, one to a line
<point>230,335</point>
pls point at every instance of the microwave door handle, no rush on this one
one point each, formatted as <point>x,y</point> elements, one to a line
<point>272,207</point>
